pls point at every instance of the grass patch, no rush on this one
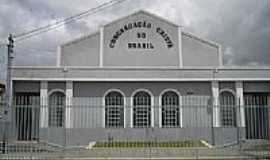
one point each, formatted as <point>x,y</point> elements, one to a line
<point>144,144</point>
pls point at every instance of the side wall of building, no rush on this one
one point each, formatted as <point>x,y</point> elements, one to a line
<point>198,53</point>
<point>82,52</point>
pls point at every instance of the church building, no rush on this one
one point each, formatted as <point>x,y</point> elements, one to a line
<point>140,77</point>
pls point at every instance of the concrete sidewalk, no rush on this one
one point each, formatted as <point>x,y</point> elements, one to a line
<point>141,153</point>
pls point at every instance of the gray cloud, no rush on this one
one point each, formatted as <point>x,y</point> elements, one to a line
<point>242,26</point>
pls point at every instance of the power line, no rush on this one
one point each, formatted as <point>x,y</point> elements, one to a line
<point>34,50</point>
<point>71,19</point>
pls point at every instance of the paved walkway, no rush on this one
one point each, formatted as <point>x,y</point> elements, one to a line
<point>141,153</point>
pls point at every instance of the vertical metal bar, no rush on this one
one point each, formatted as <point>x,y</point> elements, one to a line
<point>23,107</point>
<point>238,124</point>
<point>253,117</point>
<point>212,122</point>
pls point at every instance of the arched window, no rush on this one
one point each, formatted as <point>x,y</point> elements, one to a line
<point>56,109</point>
<point>142,109</point>
<point>170,109</point>
<point>227,108</point>
<point>114,109</point>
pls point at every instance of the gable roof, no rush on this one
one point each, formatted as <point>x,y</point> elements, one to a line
<point>117,20</point>
<point>145,13</point>
<point>191,35</point>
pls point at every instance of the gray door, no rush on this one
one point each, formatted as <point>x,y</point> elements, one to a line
<point>257,116</point>
<point>27,116</point>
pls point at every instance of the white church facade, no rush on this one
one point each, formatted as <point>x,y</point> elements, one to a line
<point>117,82</point>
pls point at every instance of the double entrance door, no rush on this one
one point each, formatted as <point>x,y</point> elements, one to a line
<point>257,115</point>
<point>27,113</point>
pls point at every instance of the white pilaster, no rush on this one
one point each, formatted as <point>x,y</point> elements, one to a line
<point>180,47</point>
<point>44,104</point>
<point>160,112</point>
<point>58,56</point>
<point>101,47</point>
<point>181,111</point>
<point>240,101</point>
<point>103,112</point>
<point>69,97</point>
<point>216,109</point>
<point>220,55</point>
<point>152,112</point>
<point>131,112</point>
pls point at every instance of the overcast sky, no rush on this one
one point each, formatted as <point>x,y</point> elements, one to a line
<point>241,26</point>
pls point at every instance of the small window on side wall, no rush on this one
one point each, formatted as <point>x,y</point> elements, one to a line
<point>227,109</point>
<point>56,109</point>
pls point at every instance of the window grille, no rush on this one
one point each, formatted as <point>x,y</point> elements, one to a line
<point>170,109</point>
<point>227,109</point>
<point>142,110</point>
<point>56,109</point>
<point>114,110</point>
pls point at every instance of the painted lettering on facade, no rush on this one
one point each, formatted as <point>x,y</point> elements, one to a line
<point>165,36</point>
<point>140,46</point>
<point>140,35</point>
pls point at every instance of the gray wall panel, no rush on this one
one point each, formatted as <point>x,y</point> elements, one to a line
<point>198,53</point>
<point>93,116</point>
<point>227,85</point>
<point>257,87</point>
<point>116,73</point>
<point>26,86</point>
<point>82,137</point>
<point>97,89</point>
<point>56,85</point>
<point>87,112</point>
<point>83,52</point>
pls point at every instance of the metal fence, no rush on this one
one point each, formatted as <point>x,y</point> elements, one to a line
<point>138,126</point>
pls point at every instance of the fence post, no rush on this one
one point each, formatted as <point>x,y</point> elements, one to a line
<point>238,118</point>
<point>4,138</point>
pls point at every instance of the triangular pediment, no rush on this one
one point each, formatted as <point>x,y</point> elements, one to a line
<point>143,40</point>
<point>142,13</point>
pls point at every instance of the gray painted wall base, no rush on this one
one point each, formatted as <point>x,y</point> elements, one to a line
<point>83,136</point>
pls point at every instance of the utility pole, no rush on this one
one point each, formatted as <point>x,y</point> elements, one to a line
<point>9,64</point>
<point>8,94</point>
